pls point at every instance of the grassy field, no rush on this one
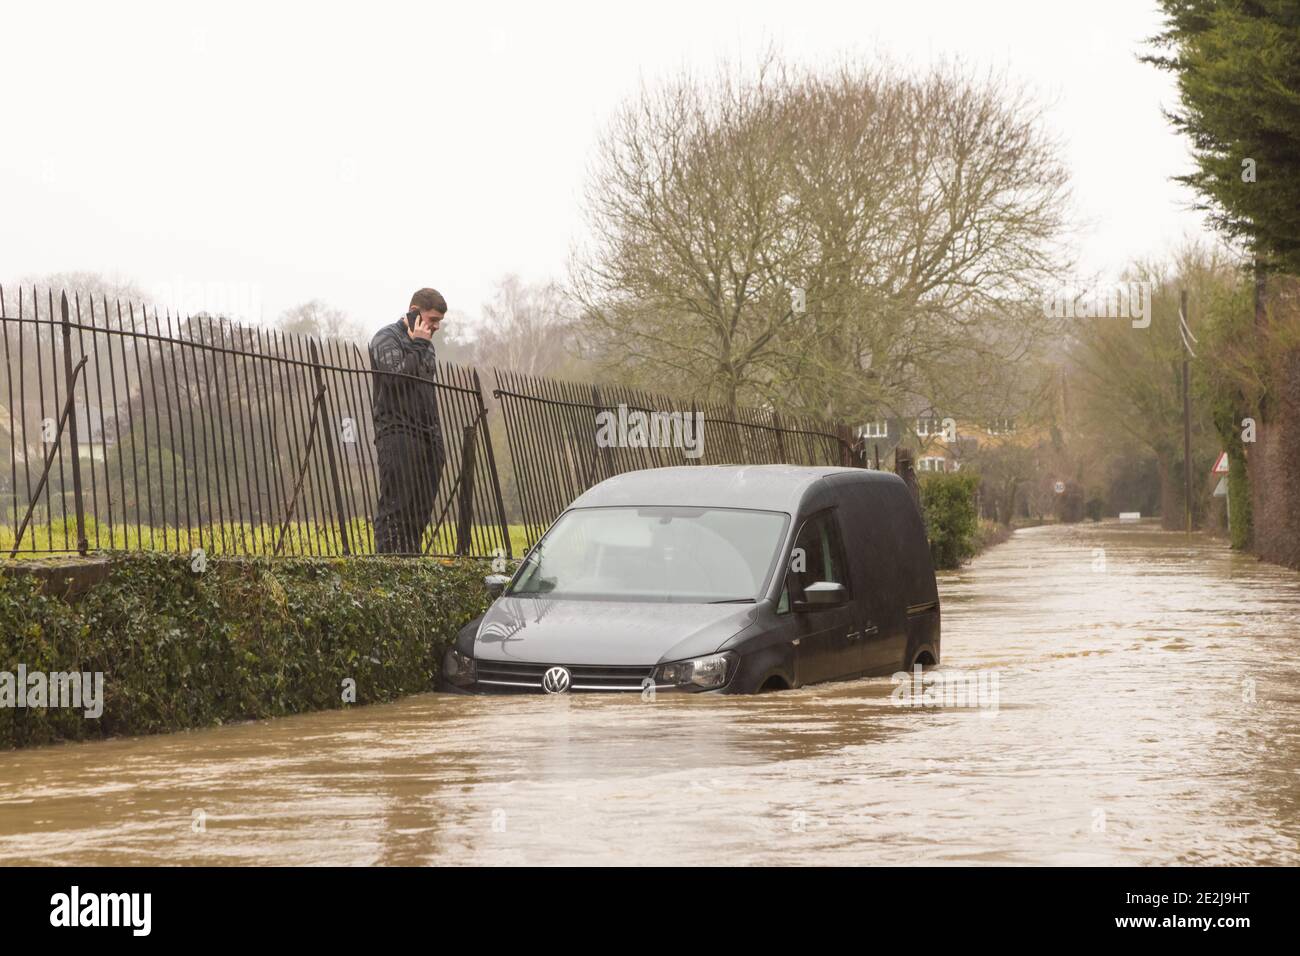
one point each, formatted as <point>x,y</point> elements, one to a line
<point>301,539</point>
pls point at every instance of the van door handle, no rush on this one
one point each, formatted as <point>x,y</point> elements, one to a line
<point>871,630</point>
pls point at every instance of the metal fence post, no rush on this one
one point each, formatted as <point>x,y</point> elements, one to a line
<point>70,377</point>
<point>609,463</point>
<point>329,450</point>
<point>465,504</point>
<point>292,504</point>
<point>850,452</point>
<point>55,448</point>
<point>697,423</point>
<point>492,468</point>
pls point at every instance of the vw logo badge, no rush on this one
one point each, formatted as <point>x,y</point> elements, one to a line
<point>556,680</point>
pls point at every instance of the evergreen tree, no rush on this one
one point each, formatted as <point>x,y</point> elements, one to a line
<point>1238,69</point>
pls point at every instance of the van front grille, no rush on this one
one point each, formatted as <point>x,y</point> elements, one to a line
<point>514,675</point>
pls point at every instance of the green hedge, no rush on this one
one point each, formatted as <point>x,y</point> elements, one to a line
<point>243,639</point>
<point>948,503</point>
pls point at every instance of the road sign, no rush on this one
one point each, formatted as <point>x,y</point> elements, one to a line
<point>1221,466</point>
<point>1221,489</point>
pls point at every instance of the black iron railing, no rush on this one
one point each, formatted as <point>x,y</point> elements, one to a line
<point>559,449</point>
<point>126,428</point>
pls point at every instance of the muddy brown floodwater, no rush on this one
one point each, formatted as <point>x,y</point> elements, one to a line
<point>1146,714</point>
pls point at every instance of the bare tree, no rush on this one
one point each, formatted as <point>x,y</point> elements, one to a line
<point>321,320</point>
<point>527,327</point>
<point>691,230</point>
<point>914,219</point>
<point>1130,379</point>
<point>87,285</point>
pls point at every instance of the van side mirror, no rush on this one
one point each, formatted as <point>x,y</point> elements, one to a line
<point>495,584</point>
<point>823,594</point>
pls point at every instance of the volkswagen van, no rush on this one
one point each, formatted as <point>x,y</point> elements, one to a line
<point>722,579</point>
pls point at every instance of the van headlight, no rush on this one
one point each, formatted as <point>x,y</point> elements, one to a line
<point>706,672</point>
<point>458,668</point>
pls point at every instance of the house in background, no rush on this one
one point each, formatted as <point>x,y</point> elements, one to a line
<point>922,432</point>
<point>941,443</point>
<point>96,431</point>
<point>25,440</point>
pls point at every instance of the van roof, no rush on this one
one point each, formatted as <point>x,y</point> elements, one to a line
<point>761,487</point>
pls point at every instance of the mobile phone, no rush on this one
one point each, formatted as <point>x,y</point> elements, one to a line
<point>411,317</point>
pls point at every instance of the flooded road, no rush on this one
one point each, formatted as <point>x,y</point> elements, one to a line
<point>1149,688</point>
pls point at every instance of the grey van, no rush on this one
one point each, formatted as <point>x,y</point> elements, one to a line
<point>731,579</point>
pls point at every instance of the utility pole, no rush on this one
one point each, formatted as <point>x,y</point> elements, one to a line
<point>1186,333</point>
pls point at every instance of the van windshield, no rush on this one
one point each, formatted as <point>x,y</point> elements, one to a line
<point>686,555</point>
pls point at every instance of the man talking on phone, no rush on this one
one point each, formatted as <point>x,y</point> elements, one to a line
<point>408,435</point>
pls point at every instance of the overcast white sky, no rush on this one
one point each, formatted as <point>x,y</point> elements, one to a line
<point>272,154</point>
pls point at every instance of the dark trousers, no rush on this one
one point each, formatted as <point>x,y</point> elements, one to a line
<point>409,468</point>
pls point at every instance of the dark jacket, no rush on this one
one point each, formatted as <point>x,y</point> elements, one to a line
<point>405,400</point>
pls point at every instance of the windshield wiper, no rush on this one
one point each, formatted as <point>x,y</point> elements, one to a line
<point>536,586</point>
<point>734,601</point>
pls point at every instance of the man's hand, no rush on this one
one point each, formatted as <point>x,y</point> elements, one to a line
<point>423,328</point>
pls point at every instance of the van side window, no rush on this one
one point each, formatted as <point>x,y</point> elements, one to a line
<point>818,555</point>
